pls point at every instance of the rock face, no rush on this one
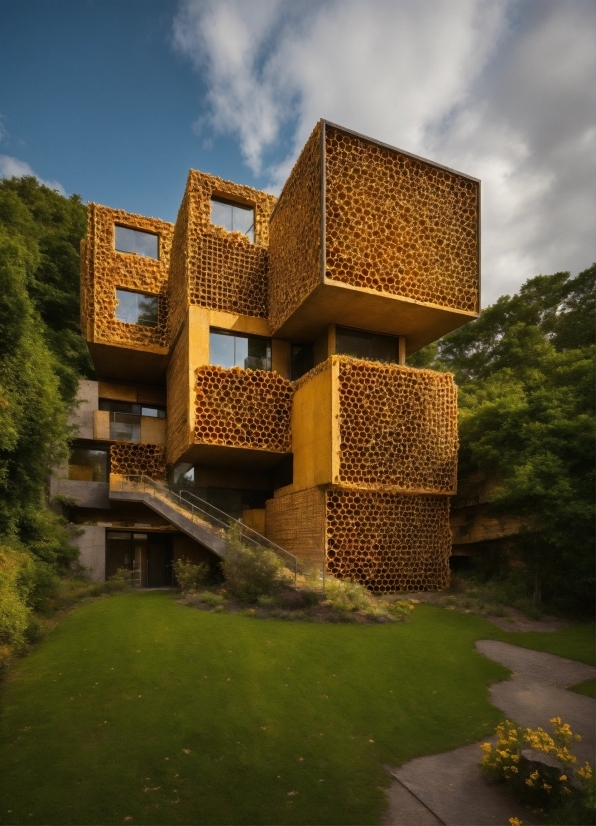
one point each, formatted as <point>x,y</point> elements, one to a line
<point>550,768</point>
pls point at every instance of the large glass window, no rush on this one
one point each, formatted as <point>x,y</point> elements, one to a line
<point>136,241</point>
<point>125,418</point>
<point>137,308</point>
<point>363,345</point>
<point>229,349</point>
<point>233,216</point>
<point>86,465</point>
<point>303,360</point>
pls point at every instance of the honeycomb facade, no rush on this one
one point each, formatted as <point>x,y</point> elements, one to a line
<point>388,542</point>
<point>399,225</point>
<point>355,459</point>
<point>212,267</point>
<point>397,428</point>
<point>104,270</point>
<point>295,236</point>
<point>131,459</point>
<point>243,408</point>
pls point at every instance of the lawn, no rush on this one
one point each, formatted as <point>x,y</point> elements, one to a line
<point>139,710</point>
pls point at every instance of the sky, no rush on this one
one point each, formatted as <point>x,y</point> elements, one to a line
<point>117,99</point>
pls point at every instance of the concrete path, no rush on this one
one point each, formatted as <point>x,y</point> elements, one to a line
<point>448,788</point>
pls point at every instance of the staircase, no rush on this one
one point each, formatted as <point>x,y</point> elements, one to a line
<point>193,516</point>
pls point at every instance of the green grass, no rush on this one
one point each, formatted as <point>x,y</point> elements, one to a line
<point>588,687</point>
<point>136,709</point>
<point>576,642</point>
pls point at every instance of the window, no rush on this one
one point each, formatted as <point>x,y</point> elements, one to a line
<point>233,216</point>
<point>125,418</point>
<point>136,308</point>
<point>136,241</point>
<point>228,349</point>
<point>303,360</point>
<point>88,465</point>
<point>363,345</point>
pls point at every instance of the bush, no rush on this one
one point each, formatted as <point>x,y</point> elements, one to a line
<point>251,572</point>
<point>549,788</point>
<point>16,573</point>
<point>209,598</point>
<point>190,577</point>
<point>347,596</point>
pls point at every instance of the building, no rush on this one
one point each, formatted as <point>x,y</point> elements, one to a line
<point>254,355</point>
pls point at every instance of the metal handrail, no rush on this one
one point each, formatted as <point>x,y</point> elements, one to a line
<point>206,510</point>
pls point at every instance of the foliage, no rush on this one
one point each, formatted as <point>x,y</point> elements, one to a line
<point>346,596</point>
<point>526,375</point>
<point>547,787</point>
<point>209,598</point>
<point>50,227</point>
<point>250,571</point>
<point>42,355</point>
<point>188,576</point>
<point>14,611</point>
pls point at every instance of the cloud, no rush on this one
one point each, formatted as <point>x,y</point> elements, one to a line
<point>13,167</point>
<point>501,89</point>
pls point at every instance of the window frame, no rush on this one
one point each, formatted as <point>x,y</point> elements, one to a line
<point>156,235</point>
<point>137,293</point>
<point>235,335</point>
<point>223,199</point>
<point>371,334</point>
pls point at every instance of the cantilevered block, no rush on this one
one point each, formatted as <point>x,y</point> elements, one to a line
<point>119,349</point>
<point>375,426</point>
<point>369,236</point>
<point>212,267</point>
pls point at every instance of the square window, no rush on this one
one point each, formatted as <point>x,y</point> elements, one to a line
<point>136,241</point>
<point>137,308</point>
<point>86,465</point>
<point>233,217</point>
<point>248,352</point>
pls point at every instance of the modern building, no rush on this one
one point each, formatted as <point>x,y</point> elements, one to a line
<point>254,354</point>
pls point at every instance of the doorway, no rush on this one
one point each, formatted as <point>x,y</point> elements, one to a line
<point>148,556</point>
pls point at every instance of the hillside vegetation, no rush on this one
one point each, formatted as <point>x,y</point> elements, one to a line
<point>42,356</point>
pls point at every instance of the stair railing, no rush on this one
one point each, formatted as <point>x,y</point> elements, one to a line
<point>203,511</point>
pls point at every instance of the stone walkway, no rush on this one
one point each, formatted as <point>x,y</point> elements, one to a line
<point>448,788</point>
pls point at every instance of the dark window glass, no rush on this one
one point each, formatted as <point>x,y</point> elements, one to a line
<point>303,359</point>
<point>363,345</point>
<point>125,418</point>
<point>233,216</point>
<point>231,350</point>
<point>86,465</point>
<point>136,241</point>
<point>136,308</point>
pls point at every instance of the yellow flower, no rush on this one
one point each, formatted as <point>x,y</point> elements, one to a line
<point>514,821</point>
<point>513,769</point>
<point>529,782</point>
<point>546,787</point>
<point>535,775</point>
<point>563,777</point>
<point>486,747</point>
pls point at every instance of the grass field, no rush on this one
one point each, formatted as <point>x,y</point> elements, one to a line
<point>139,710</point>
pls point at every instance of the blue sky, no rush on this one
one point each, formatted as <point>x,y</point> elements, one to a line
<point>117,99</point>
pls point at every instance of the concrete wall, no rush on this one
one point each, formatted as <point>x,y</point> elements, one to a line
<point>92,550</point>
<point>83,494</point>
<point>82,414</point>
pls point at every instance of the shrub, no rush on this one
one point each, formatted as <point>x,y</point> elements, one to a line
<point>16,574</point>
<point>251,572</point>
<point>548,787</point>
<point>190,577</point>
<point>347,596</point>
<point>400,610</point>
<point>209,598</point>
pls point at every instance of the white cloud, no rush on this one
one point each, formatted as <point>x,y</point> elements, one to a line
<point>500,89</point>
<point>13,167</point>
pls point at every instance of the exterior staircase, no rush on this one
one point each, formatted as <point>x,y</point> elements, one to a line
<point>193,516</point>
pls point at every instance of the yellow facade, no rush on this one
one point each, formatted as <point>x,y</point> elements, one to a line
<point>356,458</point>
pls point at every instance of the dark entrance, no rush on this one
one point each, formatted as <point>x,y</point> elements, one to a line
<point>148,556</point>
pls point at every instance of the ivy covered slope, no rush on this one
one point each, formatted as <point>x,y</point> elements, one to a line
<point>525,371</point>
<point>42,356</point>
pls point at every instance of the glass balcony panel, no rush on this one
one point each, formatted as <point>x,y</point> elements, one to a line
<point>86,465</point>
<point>125,428</point>
<point>384,348</point>
<point>354,343</point>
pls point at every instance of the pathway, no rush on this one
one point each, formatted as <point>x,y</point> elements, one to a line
<point>448,788</point>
